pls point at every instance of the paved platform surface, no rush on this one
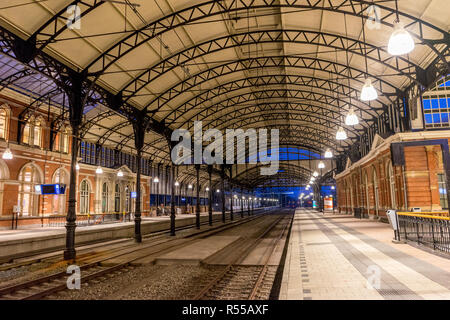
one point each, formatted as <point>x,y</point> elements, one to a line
<point>196,252</point>
<point>340,257</point>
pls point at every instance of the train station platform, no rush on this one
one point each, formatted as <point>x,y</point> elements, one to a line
<point>337,257</point>
<point>22,242</point>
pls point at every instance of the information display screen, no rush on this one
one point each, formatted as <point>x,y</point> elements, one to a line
<point>53,188</point>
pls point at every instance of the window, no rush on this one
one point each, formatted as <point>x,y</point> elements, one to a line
<point>59,200</point>
<point>392,185</point>
<point>375,189</point>
<point>127,199</point>
<point>26,133</point>
<point>32,132</point>
<point>117,198</point>
<point>105,196</point>
<point>366,184</point>
<point>62,140</point>
<point>436,105</point>
<point>28,197</point>
<point>442,191</point>
<point>84,197</point>
<point>37,130</point>
<point>4,122</point>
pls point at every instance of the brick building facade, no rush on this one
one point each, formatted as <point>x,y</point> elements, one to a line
<point>41,155</point>
<point>373,185</point>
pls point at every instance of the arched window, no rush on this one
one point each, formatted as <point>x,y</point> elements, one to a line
<point>28,197</point>
<point>84,197</point>
<point>105,197</point>
<point>59,200</point>
<point>117,198</point>
<point>391,176</point>
<point>375,189</point>
<point>366,183</point>
<point>127,199</point>
<point>32,132</point>
<point>26,133</point>
<point>4,123</point>
<point>62,140</point>
<point>37,132</point>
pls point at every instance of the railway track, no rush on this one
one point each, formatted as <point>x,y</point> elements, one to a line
<point>100,269</point>
<point>54,257</point>
<point>242,282</point>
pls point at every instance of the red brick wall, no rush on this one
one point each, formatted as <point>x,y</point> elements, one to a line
<point>422,164</point>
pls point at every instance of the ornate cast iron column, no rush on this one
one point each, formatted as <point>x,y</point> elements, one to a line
<point>210,217</point>
<point>139,135</point>
<point>197,204</point>
<point>75,94</point>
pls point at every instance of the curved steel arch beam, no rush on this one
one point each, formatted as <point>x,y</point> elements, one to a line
<point>262,62</point>
<point>85,127</point>
<point>253,172</point>
<point>295,129</point>
<point>235,85</point>
<point>279,93</point>
<point>212,8</point>
<point>16,76</point>
<point>52,28</point>
<point>110,131</point>
<point>338,42</point>
<point>310,133</point>
<point>294,107</point>
<point>298,116</point>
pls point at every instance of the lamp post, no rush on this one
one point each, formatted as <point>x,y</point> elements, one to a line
<point>172,203</point>
<point>209,189</point>
<point>197,205</point>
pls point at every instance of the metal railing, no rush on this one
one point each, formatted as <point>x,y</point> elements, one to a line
<point>16,221</point>
<point>429,230</point>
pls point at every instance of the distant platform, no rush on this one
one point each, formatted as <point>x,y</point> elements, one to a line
<point>19,243</point>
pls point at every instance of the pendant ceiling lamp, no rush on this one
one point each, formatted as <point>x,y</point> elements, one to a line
<point>328,153</point>
<point>368,92</point>
<point>7,154</point>
<point>99,170</point>
<point>400,41</point>
<point>351,119</point>
<point>341,134</point>
<point>321,165</point>
<point>156,180</point>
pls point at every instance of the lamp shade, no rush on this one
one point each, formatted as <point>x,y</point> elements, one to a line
<point>328,153</point>
<point>120,173</point>
<point>315,173</point>
<point>7,154</point>
<point>99,170</point>
<point>321,165</point>
<point>351,119</point>
<point>341,134</point>
<point>156,180</point>
<point>400,41</point>
<point>368,92</point>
